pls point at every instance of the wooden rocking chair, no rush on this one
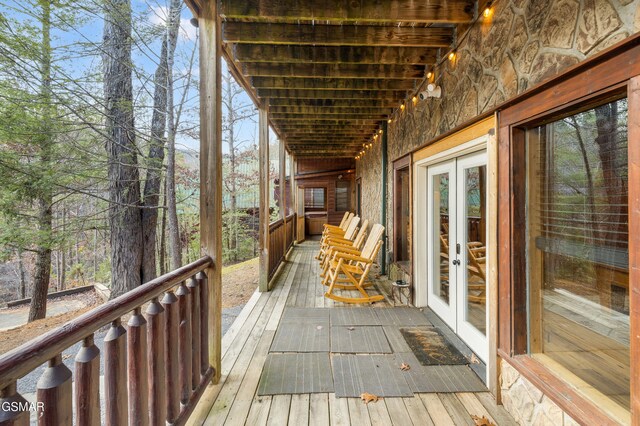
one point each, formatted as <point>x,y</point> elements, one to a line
<point>341,244</point>
<point>349,234</point>
<point>350,240</point>
<point>353,268</point>
<point>340,228</point>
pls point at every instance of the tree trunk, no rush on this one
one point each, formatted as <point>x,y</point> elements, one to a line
<point>154,171</point>
<point>174,230</point>
<point>163,233</point>
<point>125,222</point>
<point>44,200</point>
<point>23,278</point>
<point>62,272</point>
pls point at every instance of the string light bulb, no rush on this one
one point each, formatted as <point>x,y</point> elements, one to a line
<point>487,10</point>
<point>389,121</point>
<point>452,55</point>
<point>429,74</point>
<point>380,131</point>
<point>414,100</point>
<point>402,107</point>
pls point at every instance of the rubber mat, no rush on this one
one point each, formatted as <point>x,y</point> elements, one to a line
<point>295,374</point>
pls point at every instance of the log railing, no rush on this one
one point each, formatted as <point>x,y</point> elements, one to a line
<point>156,366</point>
<point>277,247</point>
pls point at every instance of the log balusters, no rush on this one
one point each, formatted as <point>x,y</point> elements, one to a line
<point>137,361</point>
<point>184,342</point>
<point>54,392</point>
<point>195,332</point>
<point>204,322</point>
<point>9,395</point>
<point>156,362</point>
<point>154,371</point>
<point>115,374</point>
<point>87,382</point>
<point>172,389</point>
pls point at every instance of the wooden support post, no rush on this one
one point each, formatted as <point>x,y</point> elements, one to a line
<point>634,245</point>
<point>211,174</point>
<point>263,154</point>
<point>283,194</point>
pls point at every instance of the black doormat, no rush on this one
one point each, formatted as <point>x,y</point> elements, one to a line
<point>431,347</point>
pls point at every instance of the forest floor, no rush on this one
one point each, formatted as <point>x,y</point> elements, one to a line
<point>239,281</point>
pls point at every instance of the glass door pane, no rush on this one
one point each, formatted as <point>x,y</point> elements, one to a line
<point>441,238</point>
<point>472,252</point>
<point>476,247</point>
<point>441,230</point>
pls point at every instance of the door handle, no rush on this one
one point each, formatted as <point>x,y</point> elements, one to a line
<point>456,262</point>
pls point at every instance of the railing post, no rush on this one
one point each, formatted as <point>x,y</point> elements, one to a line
<point>138,375</point>
<point>194,288</point>
<point>211,175</point>
<point>54,392</point>
<point>184,343</point>
<point>172,391</point>
<point>10,395</point>
<point>263,154</point>
<point>87,382</point>
<point>204,322</point>
<point>115,374</point>
<point>156,362</point>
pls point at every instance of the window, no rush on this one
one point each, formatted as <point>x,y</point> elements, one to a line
<point>315,199</point>
<point>343,189</point>
<point>577,248</point>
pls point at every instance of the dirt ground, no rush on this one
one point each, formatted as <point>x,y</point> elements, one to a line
<point>238,284</point>
<point>239,281</point>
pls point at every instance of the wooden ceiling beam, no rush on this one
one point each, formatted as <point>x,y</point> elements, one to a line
<point>259,53</point>
<point>344,111</point>
<point>363,95</point>
<point>329,121</point>
<point>341,103</point>
<point>331,83</point>
<point>304,116</point>
<point>449,11</point>
<point>334,71</point>
<point>336,35</point>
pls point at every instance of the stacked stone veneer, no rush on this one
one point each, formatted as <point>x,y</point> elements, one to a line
<point>524,43</point>
<point>526,403</point>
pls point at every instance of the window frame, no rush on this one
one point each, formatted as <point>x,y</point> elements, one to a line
<point>316,209</point>
<point>400,165</point>
<point>591,82</point>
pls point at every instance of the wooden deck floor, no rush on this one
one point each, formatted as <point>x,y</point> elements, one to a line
<point>244,349</point>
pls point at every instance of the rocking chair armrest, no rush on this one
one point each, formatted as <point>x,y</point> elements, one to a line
<point>344,249</point>
<point>338,240</point>
<point>353,257</point>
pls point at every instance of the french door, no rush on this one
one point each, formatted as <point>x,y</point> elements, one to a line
<point>456,232</point>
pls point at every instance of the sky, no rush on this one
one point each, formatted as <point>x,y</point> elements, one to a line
<point>148,16</point>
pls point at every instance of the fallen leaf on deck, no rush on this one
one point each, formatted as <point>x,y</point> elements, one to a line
<point>482,421</point>
<point>405,367</point>
<point>474,359</point>
<point>368,397</point>
<point>351,328</point>
<point>319,327</point>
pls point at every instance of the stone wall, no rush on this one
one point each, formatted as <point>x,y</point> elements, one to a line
<point>523,43</point>
<point>526,403</point>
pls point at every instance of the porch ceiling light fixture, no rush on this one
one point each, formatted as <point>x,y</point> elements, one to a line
<point>487,10</point>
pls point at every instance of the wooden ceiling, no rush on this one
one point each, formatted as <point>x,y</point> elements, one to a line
<point>332,70</point>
